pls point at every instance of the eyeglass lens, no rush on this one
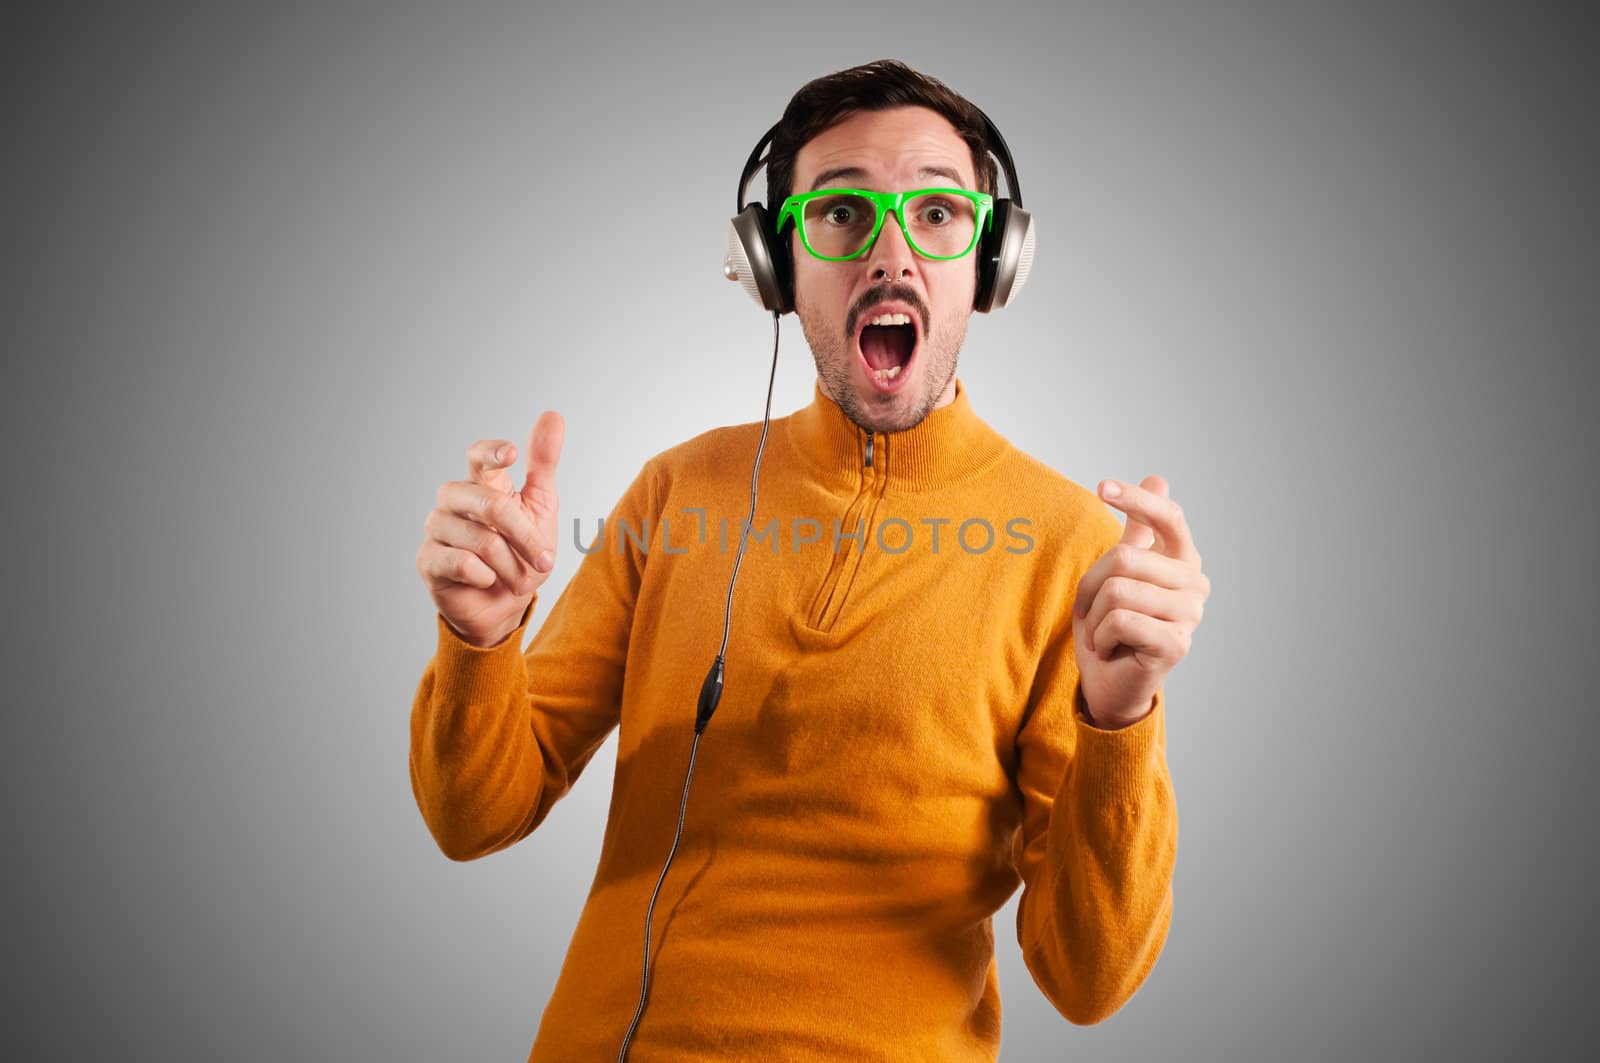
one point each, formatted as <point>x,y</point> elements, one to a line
<point>939,224</point>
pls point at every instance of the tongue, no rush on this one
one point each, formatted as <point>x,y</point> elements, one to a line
<point>886,346</point>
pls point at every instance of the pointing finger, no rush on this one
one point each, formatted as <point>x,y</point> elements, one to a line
<point>1137,532</point>
<point>1153,518</point>
<point>544,451</point>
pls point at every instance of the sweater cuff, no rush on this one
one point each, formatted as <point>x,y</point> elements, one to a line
<point>1118,764</point>
<point>477,669</point>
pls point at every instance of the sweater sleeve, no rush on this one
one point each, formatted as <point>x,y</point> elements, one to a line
<point>499,735</point>
<point>1098,843</point>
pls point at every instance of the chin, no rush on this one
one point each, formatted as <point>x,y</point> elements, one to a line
<point>891,413</point>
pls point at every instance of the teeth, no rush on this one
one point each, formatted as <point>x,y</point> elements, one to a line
<point>887,374</point>
<point>891,319</point>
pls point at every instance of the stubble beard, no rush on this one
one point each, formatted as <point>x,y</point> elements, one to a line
<point>835,357</point>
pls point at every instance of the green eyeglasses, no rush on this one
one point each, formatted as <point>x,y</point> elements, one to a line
<point>839,224</point>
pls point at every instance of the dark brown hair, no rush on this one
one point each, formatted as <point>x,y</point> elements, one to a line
<point>875,86</point>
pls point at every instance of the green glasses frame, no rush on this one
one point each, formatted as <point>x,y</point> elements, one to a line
<point>794,209</point>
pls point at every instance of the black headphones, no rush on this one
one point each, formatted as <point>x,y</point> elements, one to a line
<point>758,258</point>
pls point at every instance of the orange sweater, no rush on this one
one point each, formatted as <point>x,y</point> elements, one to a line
<point>896,749</point>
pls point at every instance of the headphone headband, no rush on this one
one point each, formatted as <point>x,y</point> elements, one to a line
<point>997,147</point>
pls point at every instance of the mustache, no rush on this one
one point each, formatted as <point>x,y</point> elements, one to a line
<point>894,293</point>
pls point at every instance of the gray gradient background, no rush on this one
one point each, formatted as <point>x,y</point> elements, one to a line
<point>1329,271</point>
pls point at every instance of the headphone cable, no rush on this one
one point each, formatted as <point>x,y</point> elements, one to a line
<point>710,694</point>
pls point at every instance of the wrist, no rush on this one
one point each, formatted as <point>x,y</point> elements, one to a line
<point>1109,722</point>
<point>494,638</point>
<point>485,642</point>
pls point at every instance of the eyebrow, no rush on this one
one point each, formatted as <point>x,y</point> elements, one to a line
<point>854,173</point>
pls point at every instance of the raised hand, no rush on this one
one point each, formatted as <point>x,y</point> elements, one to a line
<point>487,546</point>
<point>1137,607</point>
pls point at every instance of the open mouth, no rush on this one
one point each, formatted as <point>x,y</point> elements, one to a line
<point>888,343</point>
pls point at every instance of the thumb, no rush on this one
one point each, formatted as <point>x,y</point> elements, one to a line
<point>544,451</point>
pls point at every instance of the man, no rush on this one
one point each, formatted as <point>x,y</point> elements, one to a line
<point>919,715</point>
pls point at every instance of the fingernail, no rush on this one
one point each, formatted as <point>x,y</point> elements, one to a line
<point>545,561</point>
<point>500,455</point>
<point>1111,489</point>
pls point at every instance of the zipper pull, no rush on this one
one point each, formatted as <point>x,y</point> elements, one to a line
<point>869,450</point>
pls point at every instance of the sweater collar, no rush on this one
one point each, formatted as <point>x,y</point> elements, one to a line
<point>952,443</point>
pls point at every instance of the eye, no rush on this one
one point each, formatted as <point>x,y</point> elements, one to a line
<point>841,214</point>
<point>936,214</point>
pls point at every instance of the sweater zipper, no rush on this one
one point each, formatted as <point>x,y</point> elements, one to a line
<point>842,567</point>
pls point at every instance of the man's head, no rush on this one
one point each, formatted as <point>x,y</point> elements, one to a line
<point>885,128</point>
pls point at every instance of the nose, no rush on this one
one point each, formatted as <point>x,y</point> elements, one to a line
<point>891,258</point>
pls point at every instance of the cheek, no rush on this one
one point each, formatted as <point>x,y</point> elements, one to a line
<point>816,288</point>
<point>955,293</point>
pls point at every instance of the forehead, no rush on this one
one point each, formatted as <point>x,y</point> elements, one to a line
<point>887,147</point>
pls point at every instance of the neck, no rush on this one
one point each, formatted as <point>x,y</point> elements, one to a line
<point>950,444</point>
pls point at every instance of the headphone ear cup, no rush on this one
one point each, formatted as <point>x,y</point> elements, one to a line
<point>1005,257</point>
<point>757,261</point>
